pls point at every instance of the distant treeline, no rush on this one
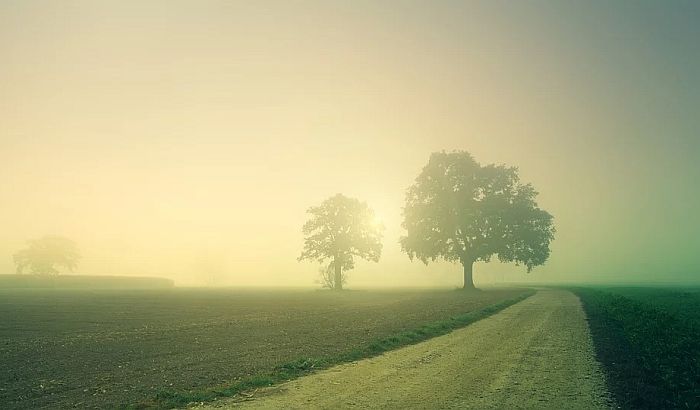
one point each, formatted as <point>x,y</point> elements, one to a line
<point>82,282</point>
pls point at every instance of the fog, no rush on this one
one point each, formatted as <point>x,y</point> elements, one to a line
<point>186,139</point>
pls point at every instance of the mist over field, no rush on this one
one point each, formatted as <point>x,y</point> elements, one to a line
<point>171,139</point>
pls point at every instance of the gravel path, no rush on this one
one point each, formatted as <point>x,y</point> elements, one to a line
<point>535,354</point>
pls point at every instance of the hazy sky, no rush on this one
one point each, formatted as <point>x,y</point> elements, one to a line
<point>186,138</point>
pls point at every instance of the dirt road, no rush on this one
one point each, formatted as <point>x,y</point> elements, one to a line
<point>535,354</point>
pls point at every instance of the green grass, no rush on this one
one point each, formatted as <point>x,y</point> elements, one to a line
<point>161,348</point>
<point>300,367</point>
<point>648,341</point>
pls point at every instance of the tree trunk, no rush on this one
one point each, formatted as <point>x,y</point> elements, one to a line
<point>338,278</point>
<point>468,275</point>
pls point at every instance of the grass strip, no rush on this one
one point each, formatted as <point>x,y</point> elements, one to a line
<point>651,357</point>
<point>167,399</point>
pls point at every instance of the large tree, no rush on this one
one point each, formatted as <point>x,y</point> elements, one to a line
<point>337,231</point>
<point>460,211</point>
<point>44,255</point>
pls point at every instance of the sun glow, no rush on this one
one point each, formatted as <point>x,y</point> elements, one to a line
<point>378,222</point>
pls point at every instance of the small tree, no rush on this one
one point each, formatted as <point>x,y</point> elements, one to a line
<point>42,256</point>
<point>460,211</point>
<point>339,230</point>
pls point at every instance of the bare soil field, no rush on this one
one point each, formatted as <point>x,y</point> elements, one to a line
<point>97,349</point>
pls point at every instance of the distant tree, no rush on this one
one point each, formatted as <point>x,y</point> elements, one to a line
<point>460,211</point>
<point>44,255</point>
<point>211,265</point>
<point>337,231</point>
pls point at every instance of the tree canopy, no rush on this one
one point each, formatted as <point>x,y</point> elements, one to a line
<point>337,231</point>
<point>44,255</point>
<point>460,211</point>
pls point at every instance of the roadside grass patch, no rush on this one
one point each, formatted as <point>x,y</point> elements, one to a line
<point>648,341</point>
<point>304,366</point>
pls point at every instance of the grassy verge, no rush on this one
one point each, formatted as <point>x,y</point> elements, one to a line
<point>651,355</point>
<point>303,366</point>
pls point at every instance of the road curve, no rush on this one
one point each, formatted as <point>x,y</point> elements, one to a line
<point>535,354</point>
